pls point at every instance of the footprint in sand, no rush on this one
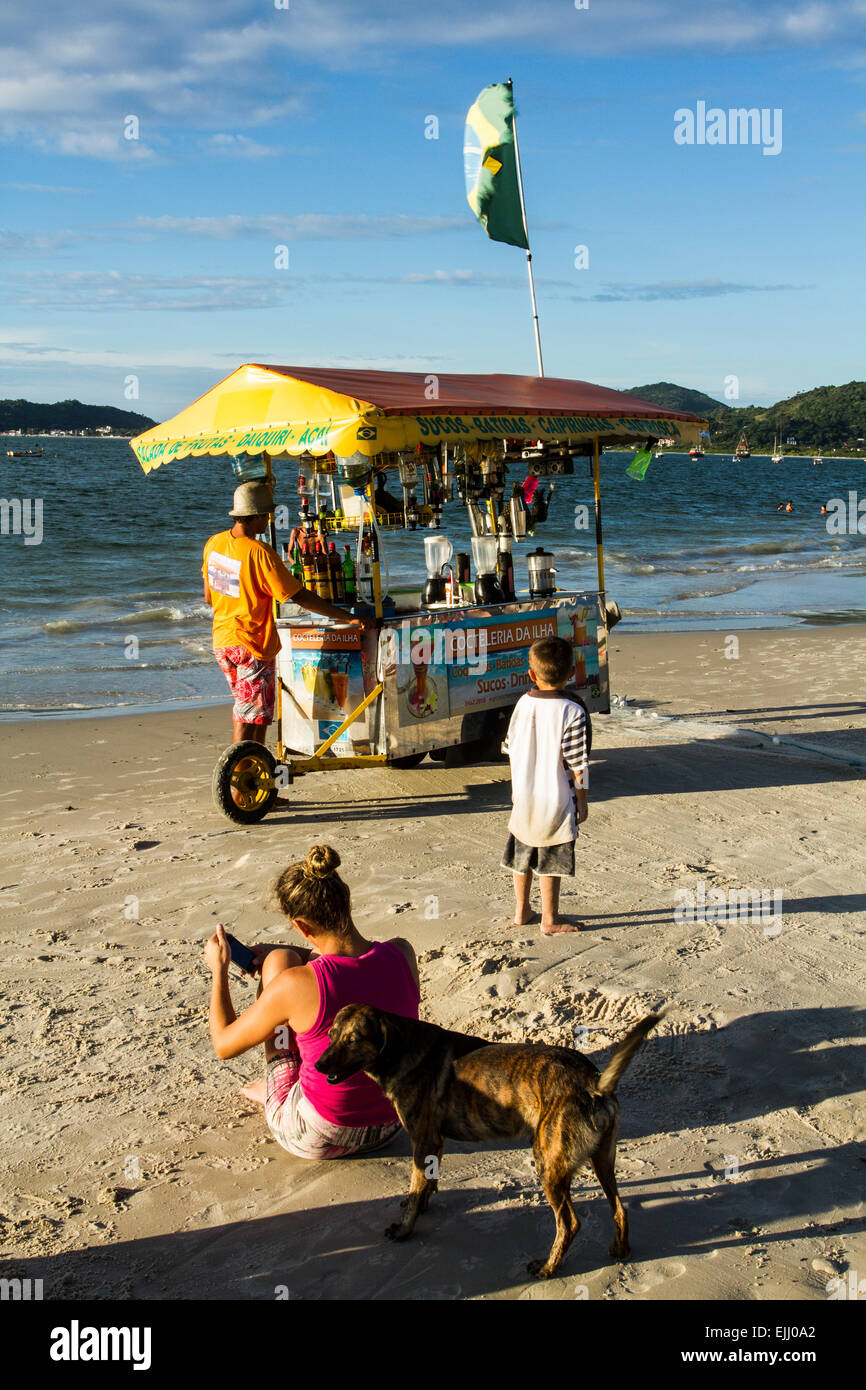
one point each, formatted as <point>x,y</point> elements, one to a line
<point>651,1278</point>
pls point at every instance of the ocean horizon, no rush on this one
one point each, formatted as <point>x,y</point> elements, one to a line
<point>106,612</point>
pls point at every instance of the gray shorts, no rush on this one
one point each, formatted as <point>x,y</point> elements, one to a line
<point>552,861</point>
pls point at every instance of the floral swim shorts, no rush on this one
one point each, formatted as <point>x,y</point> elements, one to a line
<point>296,1125</point>
<point>252,681</point>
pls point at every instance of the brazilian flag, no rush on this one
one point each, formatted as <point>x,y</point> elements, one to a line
<point>490,165</point>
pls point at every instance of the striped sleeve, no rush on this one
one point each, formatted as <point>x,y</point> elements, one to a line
<point>574,747</point>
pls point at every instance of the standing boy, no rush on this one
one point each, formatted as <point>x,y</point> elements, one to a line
<point>546,745</point>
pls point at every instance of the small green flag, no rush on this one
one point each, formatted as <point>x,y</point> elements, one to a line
<point>640,463</point>
<point>490,166</point>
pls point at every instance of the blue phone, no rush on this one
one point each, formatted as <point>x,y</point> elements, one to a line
<point>242,956</point>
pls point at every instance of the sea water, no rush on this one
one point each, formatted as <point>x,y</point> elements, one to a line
<point>106,612</point>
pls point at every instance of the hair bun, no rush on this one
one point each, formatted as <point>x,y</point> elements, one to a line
<point>321,862</point>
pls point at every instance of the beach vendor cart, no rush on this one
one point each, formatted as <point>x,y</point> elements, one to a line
<point>443,659</point>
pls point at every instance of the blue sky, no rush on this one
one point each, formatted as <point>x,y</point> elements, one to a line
<point>305,126</point>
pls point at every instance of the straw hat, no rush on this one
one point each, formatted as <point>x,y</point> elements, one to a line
<point>252,499</point>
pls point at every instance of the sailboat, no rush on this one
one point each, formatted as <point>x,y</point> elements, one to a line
<point>742,450</point>
<point>817,460</point>
<point>777,450</point>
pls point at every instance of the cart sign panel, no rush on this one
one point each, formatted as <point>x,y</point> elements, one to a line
<point>481,661</point>
<point>323,674</point>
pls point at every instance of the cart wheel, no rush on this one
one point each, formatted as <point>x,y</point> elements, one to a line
<point>493,732</point>
<point>243,782</point>
<point>410,760</point>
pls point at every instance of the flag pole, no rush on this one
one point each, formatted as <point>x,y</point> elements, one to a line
<point>526,230</point>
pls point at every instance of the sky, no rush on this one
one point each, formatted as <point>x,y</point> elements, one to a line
<point>149,264</point>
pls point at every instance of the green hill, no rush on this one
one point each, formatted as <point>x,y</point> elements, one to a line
<point>676,397</point>
<point>33,417</point>
<point>829,419</point>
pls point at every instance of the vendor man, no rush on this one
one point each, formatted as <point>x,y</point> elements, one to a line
<point>242,577</point>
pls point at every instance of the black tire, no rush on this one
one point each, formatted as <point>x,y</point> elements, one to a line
<point>409,760</point>
<point>493,732</point>
<point>250,782</point>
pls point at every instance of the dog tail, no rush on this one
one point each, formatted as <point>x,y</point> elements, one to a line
<point>609,1079</point>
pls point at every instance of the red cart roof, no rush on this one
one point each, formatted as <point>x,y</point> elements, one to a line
<point>401,393</point>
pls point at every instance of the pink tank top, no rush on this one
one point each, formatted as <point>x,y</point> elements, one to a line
<point>381,977</point>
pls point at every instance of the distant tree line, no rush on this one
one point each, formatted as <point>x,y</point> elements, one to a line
<point>827,419</point>
<point>33,417</point>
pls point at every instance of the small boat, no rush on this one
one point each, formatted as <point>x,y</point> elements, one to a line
<point>778,456</point>
<point>24,453</point>
<point>742,450</point>
<point>697,451</point>
<point>817,460</point>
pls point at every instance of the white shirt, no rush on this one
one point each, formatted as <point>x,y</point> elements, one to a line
<point>546,741</point>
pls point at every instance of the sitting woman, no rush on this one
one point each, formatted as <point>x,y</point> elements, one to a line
<point>299,995</point>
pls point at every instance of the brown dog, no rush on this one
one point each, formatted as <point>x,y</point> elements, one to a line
<point>451,1086</point>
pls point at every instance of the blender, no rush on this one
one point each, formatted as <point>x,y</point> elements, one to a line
<point>505,565</point>
<point>437,555</point>
<point>485,551</point>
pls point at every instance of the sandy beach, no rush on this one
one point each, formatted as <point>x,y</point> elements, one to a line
<point>132,1168</point>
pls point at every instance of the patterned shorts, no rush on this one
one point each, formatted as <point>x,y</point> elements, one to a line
<point>550,861</point>
<point>296,1125</point>
<point>252,681</point>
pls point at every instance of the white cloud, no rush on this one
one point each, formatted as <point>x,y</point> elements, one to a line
<point>101,290</point>
<point>97,290</point>
<point>98,144</point>
<point>45,188</point>
<point>239,147</point>
<point>11,350</point>
<point>24,244</point>
<point>676,290</point>
<point>306,226</point>
<point>811,22</point>
<point>300,227</point>
<point>212,65</point>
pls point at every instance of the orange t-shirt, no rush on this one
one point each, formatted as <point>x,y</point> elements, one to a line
<point>243,577</point>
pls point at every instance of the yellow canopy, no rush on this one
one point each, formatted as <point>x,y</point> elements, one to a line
<point>318,410</point>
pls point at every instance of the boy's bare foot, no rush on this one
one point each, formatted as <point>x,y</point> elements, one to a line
<point>554,928</point>
<point>525,920</point>
<point>255,1091</point>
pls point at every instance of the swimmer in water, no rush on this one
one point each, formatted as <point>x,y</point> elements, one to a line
<point>789,506</point>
